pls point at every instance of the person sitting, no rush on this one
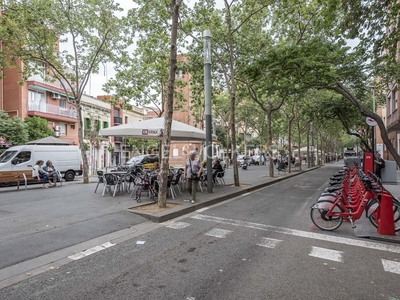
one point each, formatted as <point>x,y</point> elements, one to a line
<point>216,168</point>
<point>51,171</point>
<point>40,174</point>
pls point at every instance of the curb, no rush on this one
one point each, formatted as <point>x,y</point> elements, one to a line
<point>177,212</point>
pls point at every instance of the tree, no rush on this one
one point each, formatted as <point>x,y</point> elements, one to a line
<point>13,130</point>
<point>37,128</point>
<point>229,30</point>
<point>34,30</point>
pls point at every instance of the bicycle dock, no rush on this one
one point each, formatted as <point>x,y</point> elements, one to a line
<point>353,194</point>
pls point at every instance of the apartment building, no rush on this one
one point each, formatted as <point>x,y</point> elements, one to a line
<point>392,119</point>
<point>39,98</point>
<point>118,150</point>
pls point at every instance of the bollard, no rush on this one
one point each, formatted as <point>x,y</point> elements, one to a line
<point>386,220</point>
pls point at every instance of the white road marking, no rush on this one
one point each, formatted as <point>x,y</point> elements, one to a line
<point>245,194</point>
<point>310,235</point>
<point>219,233</point>
<point>91,251</point>
<point>203,209</point>
<point>391,266</point>
<point>326,254</point>
<point>177,225</point>
<point>268,243</point>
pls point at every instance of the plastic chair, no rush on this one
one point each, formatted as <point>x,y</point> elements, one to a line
<point>220,178</point>
<point>100,175</point>
<point>109,181</point>
<point>281,167</point>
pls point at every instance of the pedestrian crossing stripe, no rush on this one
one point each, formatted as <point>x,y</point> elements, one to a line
<point>219,233</point>
<point>91,251</point>
<point>391,266</point>
<point>326,254</point>
<point>268,242</point>
<point>177,225</point>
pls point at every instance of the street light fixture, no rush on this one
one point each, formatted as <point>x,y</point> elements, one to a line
<point>207,104</point>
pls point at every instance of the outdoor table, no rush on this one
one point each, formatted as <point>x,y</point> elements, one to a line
<point>122,177</point>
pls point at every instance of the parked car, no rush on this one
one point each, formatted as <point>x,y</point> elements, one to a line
<point>146,161</point>
<point>255,160</point>
<point>240,159</point>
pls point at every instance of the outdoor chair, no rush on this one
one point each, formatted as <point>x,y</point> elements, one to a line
<point>111,180</point>
<point>282,167</point>
<point>219,178</point>
<point>176,181</point>
<point>100,175</point>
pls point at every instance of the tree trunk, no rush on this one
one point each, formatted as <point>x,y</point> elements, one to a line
<point>85,165</point>
<point>166,141</point>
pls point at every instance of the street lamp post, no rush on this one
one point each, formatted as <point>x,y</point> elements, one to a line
<point>312,144</point>
<point>207,104</point>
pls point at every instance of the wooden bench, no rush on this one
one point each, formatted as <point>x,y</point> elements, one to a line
<point>7,177</point>
<point>24,176</point>
<point>297,165</point>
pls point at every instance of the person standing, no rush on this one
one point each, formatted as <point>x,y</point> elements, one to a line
<point>41,175</point>
<point>193,169</point>
<point>379,165</point>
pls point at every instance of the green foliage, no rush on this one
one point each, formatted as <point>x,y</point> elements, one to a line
<point>13,130</point>
<point>37,128</point>
<point>142,144</point>
<point>142,77</point>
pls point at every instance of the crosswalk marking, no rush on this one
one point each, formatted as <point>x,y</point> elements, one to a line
<point>268,243</point>
<point>219,233</point>
<point>91,251</point>
<point>311,235</point>
<point>391,266</point>
<point>326,254</point>
<point>177,225</point>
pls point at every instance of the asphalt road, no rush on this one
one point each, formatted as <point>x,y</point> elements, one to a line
<point>257,246</point>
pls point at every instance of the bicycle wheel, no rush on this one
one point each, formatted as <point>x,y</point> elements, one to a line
<point>321,220</point>
<point>396,215</point>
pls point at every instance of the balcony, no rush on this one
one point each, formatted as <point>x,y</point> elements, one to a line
<point>118,139</point>
<point>117,120</point>
<point>52,109</point>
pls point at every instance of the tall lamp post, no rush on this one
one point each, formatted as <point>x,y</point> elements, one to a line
<point>207,104</point>
<point>312,144</point>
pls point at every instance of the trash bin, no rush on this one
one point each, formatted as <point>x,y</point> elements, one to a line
<point>389,173</point>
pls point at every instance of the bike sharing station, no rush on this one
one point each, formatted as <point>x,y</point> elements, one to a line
<point>357,197</point>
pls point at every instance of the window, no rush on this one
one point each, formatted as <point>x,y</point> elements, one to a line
<point>36,101</point>
<point>63,129</point>
<point>116,112</point>
<point>390,103</point>
<point>105,124</point>
<point>23,156</point>
<point>63,103</point>
<point>88,124</point>
<point>395,99</point>
<point>126,120</point>
<point>72,126</point>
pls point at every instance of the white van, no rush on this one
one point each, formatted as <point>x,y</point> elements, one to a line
<point>66,159</point>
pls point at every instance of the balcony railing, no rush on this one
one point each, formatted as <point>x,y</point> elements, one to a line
<point>52,109</point>
<point>118,120</point>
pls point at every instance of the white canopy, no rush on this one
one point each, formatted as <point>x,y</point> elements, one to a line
<point>154,129</point>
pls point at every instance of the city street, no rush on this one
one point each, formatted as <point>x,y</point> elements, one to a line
<point>260,245</point>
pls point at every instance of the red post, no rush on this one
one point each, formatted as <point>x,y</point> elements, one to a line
<point>368,162</point>
<point>386,219</point>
